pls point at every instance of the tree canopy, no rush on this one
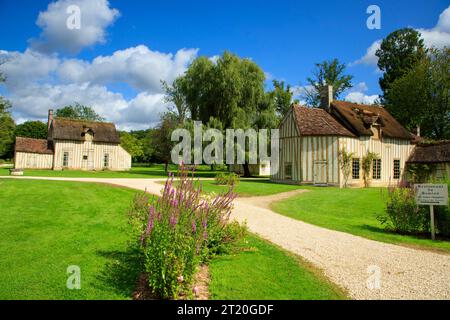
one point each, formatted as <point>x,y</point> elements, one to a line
<point>32,129</point>
<point>230,89</point>
<point>330,72</point>
<point>79,112</point>
<point>7,127</point>
<point>421,96</point>
<point>398,53</point>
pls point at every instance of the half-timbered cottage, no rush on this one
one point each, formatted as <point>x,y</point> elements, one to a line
<point>73,144</point>
<point>310,140</point>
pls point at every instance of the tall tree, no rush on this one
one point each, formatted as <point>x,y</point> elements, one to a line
<point>230,90</point>
<point>7,127</point>
<point>174,96</point>
<point>79,112</point>
<point>421,96</point>
<point>132,145</point>
<point>32,129</point>
<point>282,96</point>
<point>161,138</point>
<point>330,72</point>
<point>398,53</point>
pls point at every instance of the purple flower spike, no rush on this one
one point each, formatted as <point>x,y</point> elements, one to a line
<point>173,220</point>
<point>194,227</point>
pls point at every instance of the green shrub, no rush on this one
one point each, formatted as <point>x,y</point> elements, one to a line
<point>178,231</point>
<point>442,214</point>
<point>402,214</point>
<point>231,179</point>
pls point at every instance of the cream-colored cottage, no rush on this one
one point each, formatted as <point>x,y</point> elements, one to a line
<point>73,144</point>
<point>310,139</point>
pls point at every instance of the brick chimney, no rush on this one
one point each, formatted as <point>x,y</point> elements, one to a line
<point>50,118</point>
<point>326,97</point>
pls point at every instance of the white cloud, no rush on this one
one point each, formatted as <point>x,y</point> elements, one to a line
<point>95,17</point>
<point>358,94</point>
<point>37,82</point>
<point>140,67</point>
<point>369,58</point>
<point>359,97</point>
<point>438,37</point>
<point>23,68</point>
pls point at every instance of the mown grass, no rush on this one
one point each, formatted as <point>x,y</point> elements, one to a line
<point>251,187</point>
<point>46,226</point>
<point>274,274</point>
<point>350,210</point>
<point>151,171</point>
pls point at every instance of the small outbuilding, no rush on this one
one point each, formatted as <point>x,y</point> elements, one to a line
<point>73,144</point>
<point>436,155</point>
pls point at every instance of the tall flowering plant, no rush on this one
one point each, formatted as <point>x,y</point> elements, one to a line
<point>179,231</point>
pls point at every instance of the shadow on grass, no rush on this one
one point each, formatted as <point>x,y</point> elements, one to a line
<point>122,270</point>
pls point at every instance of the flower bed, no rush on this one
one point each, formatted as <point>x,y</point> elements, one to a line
<point>179,231</point>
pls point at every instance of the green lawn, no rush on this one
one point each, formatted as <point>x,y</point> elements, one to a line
<point>46,226</point>
<point>153,171</point>
<point>248,187</point>
<point>264,271</point>
<point>349,210</point>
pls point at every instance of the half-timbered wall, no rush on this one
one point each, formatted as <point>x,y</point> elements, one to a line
<point>387,150</point>
<point>23,160</point>
<point>314,159</point>
<point>88,155</point>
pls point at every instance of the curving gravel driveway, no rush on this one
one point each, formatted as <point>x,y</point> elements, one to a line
<point>367,269</point>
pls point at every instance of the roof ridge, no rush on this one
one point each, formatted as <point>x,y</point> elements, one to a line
<point>82,120</point>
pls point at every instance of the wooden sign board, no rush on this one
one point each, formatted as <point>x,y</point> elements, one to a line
<point>431,194</point>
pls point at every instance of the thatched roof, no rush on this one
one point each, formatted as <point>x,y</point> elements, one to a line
<point>431,153</point>
<point>41,146</point>
<point>358,118</point>
<point>69,129</point>
<point>318,122</point>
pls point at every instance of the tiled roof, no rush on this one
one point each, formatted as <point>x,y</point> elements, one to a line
<point>318,122</point>
<point>30,145</point>
<point>69,129</point>
<point>431,153</point>
<point>358,118</point>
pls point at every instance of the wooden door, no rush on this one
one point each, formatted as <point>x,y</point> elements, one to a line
<point>90,162</point>
<point>320,172</point>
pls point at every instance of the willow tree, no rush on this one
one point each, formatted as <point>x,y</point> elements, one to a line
<point>230,89</point>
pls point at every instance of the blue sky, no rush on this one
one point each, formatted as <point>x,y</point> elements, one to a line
<point>144,41</point>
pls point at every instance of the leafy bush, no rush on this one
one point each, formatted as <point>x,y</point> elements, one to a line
<point>231,179</point>
<point>402,214</point>
<point>442,214</point>
<point>345,162</point>
<point>419,172</point>
<point>366,165</point>
<point>178,231</point>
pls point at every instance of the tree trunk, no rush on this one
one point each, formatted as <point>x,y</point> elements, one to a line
<point>166,166</point>
<point>246,170</point>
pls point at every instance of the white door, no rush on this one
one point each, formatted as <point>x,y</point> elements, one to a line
<point>320,172</point>
<point>90,162</point>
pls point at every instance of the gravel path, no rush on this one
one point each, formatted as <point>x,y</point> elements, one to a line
<point>367,269</point>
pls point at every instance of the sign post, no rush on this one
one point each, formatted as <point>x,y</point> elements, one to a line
<point>431,195</point>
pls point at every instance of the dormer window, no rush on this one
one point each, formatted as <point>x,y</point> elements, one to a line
<point>88,134</point>
<point>375,128</point>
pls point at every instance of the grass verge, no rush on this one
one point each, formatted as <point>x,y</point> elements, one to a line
<point>261,270</point>
<point>350,210</point>
<point>46,226</point>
